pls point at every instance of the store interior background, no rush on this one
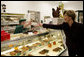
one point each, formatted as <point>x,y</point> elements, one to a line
<point>44,7</point>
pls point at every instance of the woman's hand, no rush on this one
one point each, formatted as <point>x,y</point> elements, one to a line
<point>38,25</point>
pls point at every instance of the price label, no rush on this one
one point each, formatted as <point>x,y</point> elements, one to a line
<point>30,49</point>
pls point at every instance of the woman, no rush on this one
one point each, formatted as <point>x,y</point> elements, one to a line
<point>73,32</point>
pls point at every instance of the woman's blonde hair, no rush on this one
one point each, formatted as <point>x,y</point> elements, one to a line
<point>71,13</point>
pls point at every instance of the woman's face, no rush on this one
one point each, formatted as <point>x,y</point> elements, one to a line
<point>66,18</point>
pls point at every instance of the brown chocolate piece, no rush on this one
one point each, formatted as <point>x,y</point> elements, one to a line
<point>13,53</point>
<point>57,49</point>
<point>30,55</point>
<point>17,51</point>
<point>44,51</point>
<point>25,48</point>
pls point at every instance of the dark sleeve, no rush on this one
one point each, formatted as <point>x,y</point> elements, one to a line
<point>53,26</point>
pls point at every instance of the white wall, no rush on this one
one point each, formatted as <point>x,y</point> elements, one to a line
<point>74,5</point>
<point>45,7</point>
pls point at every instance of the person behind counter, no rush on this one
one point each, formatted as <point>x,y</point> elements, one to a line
<point>22,26</point>
<point>73,32</point>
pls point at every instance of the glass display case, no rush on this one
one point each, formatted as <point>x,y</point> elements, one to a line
<point>45,44</point>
